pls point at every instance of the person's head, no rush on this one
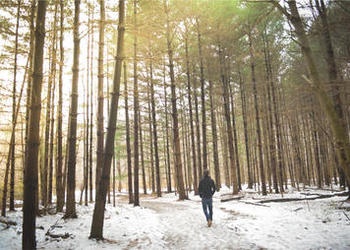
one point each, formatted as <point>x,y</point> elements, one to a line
<point>206,172</point>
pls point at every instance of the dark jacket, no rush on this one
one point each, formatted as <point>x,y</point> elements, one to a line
<point>206,187</point>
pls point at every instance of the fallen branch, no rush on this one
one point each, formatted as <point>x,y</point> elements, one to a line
<point>7,221</point>
<point>56,236</point>
<point>256,204</point>
<point>231,198</point>
<point>327,195</point>
<point>315,197</point>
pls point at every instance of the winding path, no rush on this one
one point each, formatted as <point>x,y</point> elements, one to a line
<point>188,231</point>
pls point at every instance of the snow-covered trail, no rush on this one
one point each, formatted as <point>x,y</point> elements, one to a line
<point>190,231</point>
<point>166,223</point>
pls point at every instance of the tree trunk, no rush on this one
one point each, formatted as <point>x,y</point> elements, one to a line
<point>31,163</point>
<point>215,138</point>
<point>151,154</point>
<point>136,114</point>
<point>225,92</point>
<point>51,144</point>
<point>9,155</point>
<point>245,128</point>
<point>276,119</point>
<point>49,111</point>
<point>13,141</point>
<point>127,128</point>
<point>70,206</point>
<point>100,76</point>
<point>198,132</point>
<point>257,118</point>
<point>167,136</point>
<point>271,126</point>
<point>59,180</point>
<point>176,137</point>
<point>235,138</point>
<point>142,156</point>
<point>203,105</point>
<point>10,163</point>
<point>155,133</point>
<point>98,214</point>
<point>189,97</point>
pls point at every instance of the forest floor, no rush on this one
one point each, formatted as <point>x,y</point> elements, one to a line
<point>250,222</point>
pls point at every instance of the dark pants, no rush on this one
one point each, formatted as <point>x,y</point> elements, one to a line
<point>207,204</point>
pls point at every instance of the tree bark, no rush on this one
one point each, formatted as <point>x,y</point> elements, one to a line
<point>203,104</point>
<point>59,165</point>
<point>12,175</point>
<point>136,116</point>
<point>72,140</point>
<point>155,133</point>
<point>128,142</point>
<point>176,137</point>
<point>100,76</point>
<point>215,138</point>
<point>98,214</point>
<point>189,97</point>
<point>45,172</point>
<point>257,118</point>
<point>245,128</point>
<point>230,140</point>
<point>10,163</point>
<point>167,146</point>
<point>31,163</point>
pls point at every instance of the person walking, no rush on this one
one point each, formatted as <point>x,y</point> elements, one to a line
<point>206,190</point>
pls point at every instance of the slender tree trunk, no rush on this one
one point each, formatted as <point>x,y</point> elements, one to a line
<point>10,163</point>
<point>49,107</point>
<point>98,214</point>
<point>151,154</point>
<point>87,111</point>
<point>31,163</point>
<point>92,108</point>
<point>276,120</point>
<point>245,128</point>
<point>136,118</point>
<point>59,165</point>
<point>176,136</point>
<point>72,140</point>
<point>257,118</point>
<point>215,138</point>
<point>100,119</point>
<point>225,91</point>
<point>33,10</point>
<point>235,139</point>
<point>203,104</point>
<point>198,132</point>
<point>51,144</point>
<point>13,141</point>
<point>128,144</point>
<point>9,155</point>
<point>189,97</point>
<point>224,143</point>
<point>155,133</point>
<point>271,130</point>
<point>167,136</point>
<point>142,155</point>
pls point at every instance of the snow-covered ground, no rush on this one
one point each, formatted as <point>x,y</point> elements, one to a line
<point>166,223</point>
